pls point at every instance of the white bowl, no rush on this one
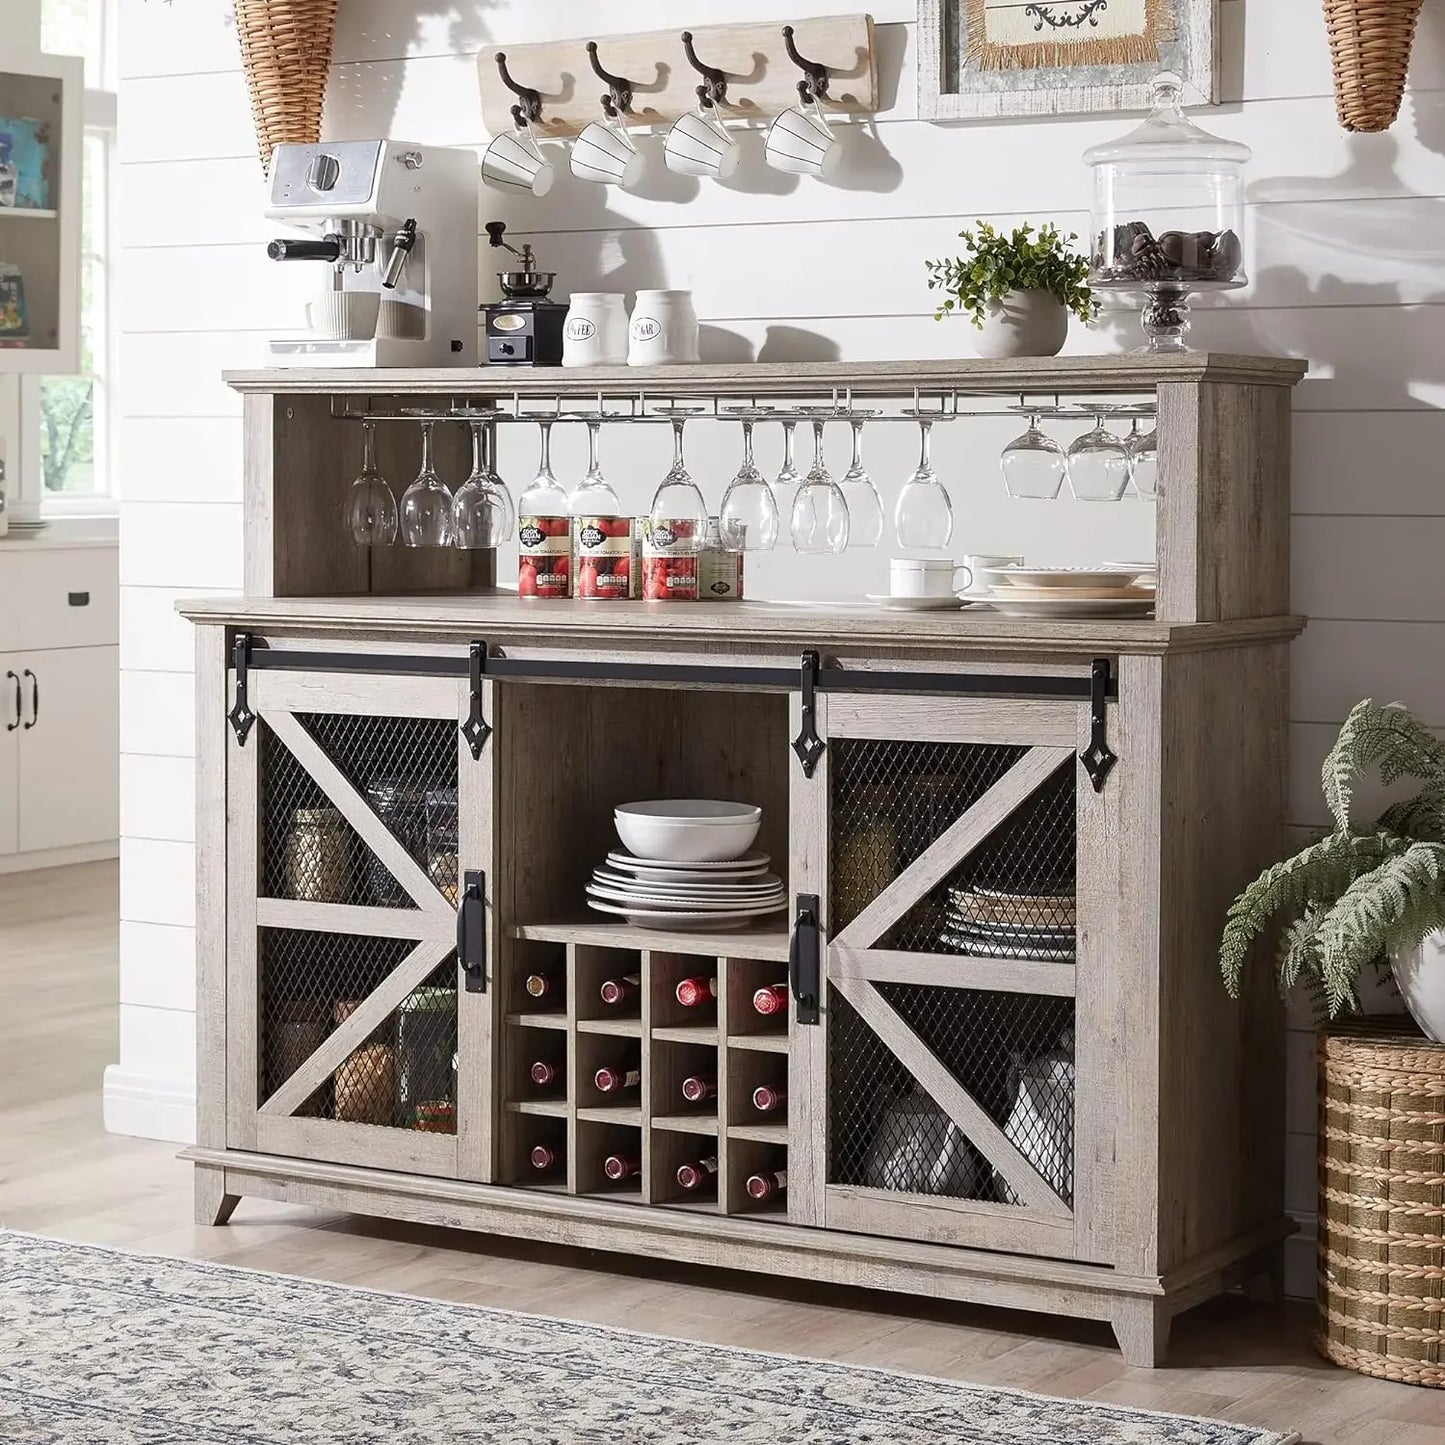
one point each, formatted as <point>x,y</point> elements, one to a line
<point>688,830</point>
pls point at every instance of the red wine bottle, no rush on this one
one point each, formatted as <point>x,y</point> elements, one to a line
<point>766,1098</point>
<point>544,1073</point>
<point>698,1174</point>
<point>767,1185</point>
<point>619,990</point>
<point>697,1088</point>
<point>694,992</point>
<point>543,985</point>
<point>612,1080</point>
<point>543,1156</point>
<point>771,1000</point>
<point>618,1167</point>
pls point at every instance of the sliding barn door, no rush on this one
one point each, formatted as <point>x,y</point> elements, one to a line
<point>947,1061</point>
<point>357,816</point>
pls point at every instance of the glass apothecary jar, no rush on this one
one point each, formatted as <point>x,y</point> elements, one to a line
<point>1167,214</point>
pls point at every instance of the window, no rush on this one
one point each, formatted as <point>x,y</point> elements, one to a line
<point>71,415</point>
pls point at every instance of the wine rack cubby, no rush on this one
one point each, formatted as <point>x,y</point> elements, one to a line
<point>1001,1066</point>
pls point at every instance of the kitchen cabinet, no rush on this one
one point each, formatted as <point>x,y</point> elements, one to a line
<point>59,698</point>
<point>1008,1070</point>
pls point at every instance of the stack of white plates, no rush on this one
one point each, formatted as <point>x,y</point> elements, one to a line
<point>993,923</point>
<point>658,893</point>
<point>1110,590</point>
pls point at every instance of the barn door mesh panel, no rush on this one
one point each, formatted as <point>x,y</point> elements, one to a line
<point>1012,1052</point>
<point>405,768</point>
<point>402,1074</point>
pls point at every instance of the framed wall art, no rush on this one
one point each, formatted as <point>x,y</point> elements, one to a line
<point>983,58</point>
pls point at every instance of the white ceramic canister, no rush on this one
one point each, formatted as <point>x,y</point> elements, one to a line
<point>595,333</point>
<point>663,330</point>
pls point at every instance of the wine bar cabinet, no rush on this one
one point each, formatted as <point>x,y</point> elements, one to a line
<point>984,1055</point>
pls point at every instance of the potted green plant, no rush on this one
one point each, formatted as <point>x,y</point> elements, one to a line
<point>1361,895</point>
<point>1017,288</point>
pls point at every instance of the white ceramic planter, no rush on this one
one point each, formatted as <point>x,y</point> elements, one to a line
<point>1023,323</point>
<point>1420,975</point>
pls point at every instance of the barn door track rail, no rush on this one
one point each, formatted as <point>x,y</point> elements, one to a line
<point>480,664</point>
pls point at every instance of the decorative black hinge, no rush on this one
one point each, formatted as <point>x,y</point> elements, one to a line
<point>476,730</point>
<point>472,930</point>
<point>805,963</point>
<point>1098,758</point>
<point>808,745</point>
<point>240,716</point>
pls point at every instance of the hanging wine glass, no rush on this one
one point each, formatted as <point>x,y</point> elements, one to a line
<point>1098,464</point>
<point>1033,464</point>
<point>593,496</point>
<point>427,514</point>
<point>788,475</point>
<point>819,521</point>
<point>482,507</point>
<point>544,495</point>
<point>923,517</point>
<point>678,516</point>
<point>370,502</point>
<point>865,506</point>
<point>748,518</point>
<point>1142,451</point>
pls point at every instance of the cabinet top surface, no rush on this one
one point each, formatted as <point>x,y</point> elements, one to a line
<point>1127,372</point>
<point>505,617</point>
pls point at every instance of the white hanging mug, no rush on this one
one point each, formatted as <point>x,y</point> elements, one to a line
<point>701,145</point>
<point>515,163</point>
<point>604,153</point>
<point>801,142</point>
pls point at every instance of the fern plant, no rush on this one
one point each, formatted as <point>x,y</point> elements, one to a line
<point>1357,893</point>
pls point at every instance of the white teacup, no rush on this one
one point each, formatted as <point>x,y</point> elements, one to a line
<point>604,153</point>
<point>925,576</point>
<point>701,145</point>
<point>983,564</point>
<point>515,163</point>
<point>343,315</point>
<point>802,142</point>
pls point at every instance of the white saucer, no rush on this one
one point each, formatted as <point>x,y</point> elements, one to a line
<point>747,863</point>
<point>915,604</point>
<point>649,918</point>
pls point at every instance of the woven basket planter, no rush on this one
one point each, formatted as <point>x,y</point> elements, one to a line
<point>1382,1202</point>
<point>1370,44</point>
<point>286,50</point>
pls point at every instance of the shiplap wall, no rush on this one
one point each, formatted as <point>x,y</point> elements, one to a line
<point>1347,237</point>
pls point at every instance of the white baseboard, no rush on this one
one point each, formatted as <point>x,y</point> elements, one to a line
<point>149,1107</point>
<point>59,857</point>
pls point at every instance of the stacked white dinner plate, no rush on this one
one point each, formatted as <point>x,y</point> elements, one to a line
<point>994,923</point>
<point>699,873</point>
<point>1108,590</point>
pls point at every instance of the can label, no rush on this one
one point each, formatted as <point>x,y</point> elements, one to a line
<point>669,561</point>
<point>608,555</point>
<point>720,576</point>
<point>544,562</point>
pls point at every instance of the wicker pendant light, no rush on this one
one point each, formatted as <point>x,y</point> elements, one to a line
<point>286,51</point>
<point>1370,44</point>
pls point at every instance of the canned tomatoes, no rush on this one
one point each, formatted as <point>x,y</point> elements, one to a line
<point>544,564</point>
<point>607,558</point>
<point>669,562</point>
<point>719,573</point>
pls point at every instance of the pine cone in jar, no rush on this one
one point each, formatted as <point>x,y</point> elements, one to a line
<point>1146,256</point>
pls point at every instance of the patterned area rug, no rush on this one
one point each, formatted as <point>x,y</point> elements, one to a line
<point>103,1348</point>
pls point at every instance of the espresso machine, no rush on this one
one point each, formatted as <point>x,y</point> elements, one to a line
<point>391,231</point>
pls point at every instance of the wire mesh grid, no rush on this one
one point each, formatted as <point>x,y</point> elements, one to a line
<point>1012,1052</point>
<point>402,1074</point>
<point>1013,896</point>
<point>406,769</point>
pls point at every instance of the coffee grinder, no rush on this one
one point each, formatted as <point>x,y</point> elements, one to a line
<point>523,329</point>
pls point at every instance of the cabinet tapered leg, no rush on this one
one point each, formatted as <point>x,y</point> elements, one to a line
<point>213,1205</point>
<point>1142,1328</point>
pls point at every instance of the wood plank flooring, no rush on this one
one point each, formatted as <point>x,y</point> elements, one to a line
<point>61,1175</point>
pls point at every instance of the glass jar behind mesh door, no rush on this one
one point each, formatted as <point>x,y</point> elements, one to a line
<point>401,807</point>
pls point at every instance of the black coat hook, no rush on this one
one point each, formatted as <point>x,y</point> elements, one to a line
<point>619,88</point>
<point>531,106</point>
<point>817,81</point>
<point>714,90</point>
